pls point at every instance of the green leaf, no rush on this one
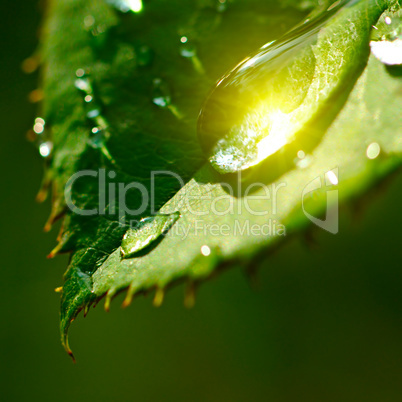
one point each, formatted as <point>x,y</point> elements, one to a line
<point>147,75</point>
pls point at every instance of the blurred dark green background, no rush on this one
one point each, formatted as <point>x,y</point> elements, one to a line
<point>324,324</point>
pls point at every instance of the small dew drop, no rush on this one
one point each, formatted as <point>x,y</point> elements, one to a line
<point>80,73</point>
<point>388,20</point>
<point>45,149</point>
<point>88,98</point>
<point>39,120</point>
<point>38,128</point>
<point>160,93</point>
<point>205,250</point>
<point>301,154</point>
<point>373,150</point>
<point>92,114</point>
<point>221,5</point>
<point>89,21</point>
<point>304,163</point>
<point>83,84</point>
<point>332,178</point>
<point>187,48</point>
<point>98,140</point>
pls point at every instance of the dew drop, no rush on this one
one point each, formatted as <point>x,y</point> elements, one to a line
<point>304,163</point>
<point>221,5</point>
<point>125,6</point>
<point>160,93</point>
<point>388,52</point>
<point>264,103</point>
<point>98,140</point>
<point>187,49</point>
<point>89,21</point>
<point>205,250</point>
<point>39,125</point>
<point>332,177</point>
<point>146,232</point>
<point>386,40</point>
<point>99,132</point>
<point>92,114</point>
<point>80,72</point>
<point>373,150</point>
<point>45,149</point>
<point>301,154</point>
<point>83,85</point>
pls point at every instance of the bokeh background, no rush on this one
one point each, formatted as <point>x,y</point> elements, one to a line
<point>324,323</point>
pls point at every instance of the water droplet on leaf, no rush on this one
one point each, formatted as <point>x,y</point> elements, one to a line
<point>45,149</point>
<point>147,231</point>
<point>388,52</point>
<point>266,102</point>
<point>386,39</point>
<point>205,250</point>
<point>373,150</point>
<point>221,5</point>
<point>98,139</point>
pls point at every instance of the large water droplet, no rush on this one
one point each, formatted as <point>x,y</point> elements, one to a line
<point>265,102</point>
<point>146,232</point>
<point>386,43</point>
